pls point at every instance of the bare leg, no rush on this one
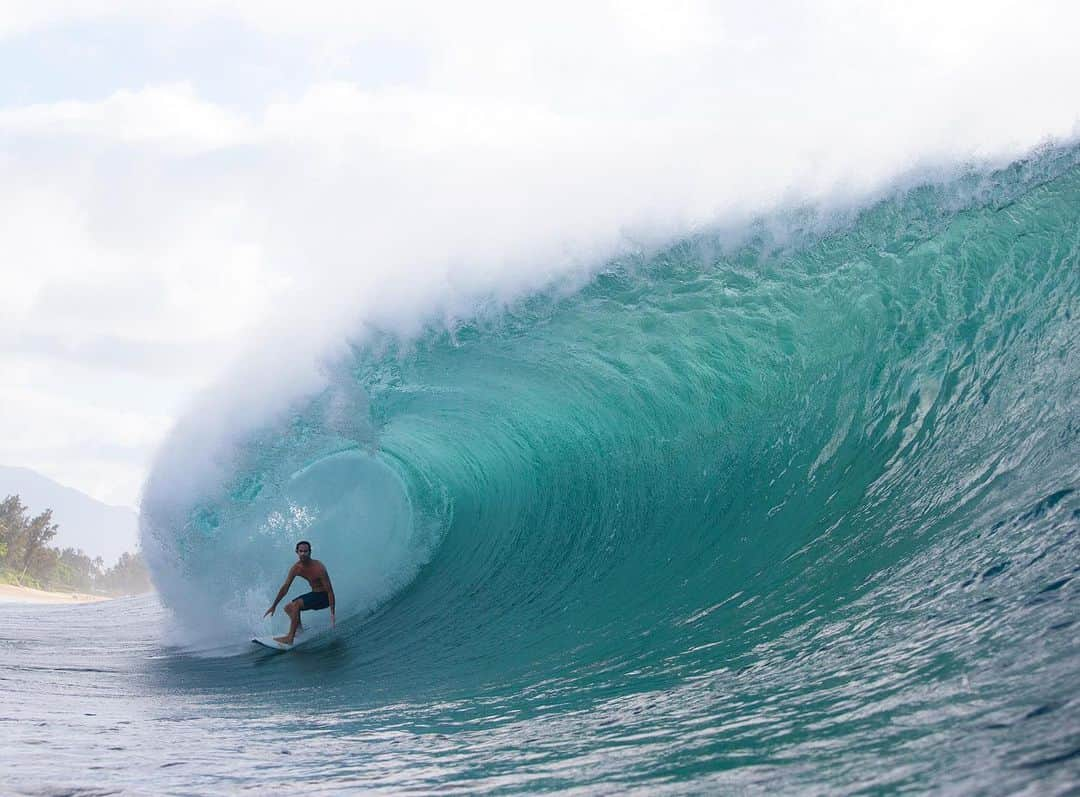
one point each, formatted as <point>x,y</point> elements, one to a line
<point>293,610</point>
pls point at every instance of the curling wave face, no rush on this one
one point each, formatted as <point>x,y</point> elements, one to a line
<point>803,476</point>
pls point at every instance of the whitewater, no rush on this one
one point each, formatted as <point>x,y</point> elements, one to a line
<point>789,510</point>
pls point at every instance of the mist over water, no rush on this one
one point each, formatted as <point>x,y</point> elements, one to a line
<point>800,512</point>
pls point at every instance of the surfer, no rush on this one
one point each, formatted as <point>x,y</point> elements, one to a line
<point>321,595</point>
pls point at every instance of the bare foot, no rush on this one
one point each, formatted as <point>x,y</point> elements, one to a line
<point>284,640</point>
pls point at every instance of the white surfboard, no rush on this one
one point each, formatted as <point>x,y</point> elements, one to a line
<point>303,636</point>
<point>273,644</point>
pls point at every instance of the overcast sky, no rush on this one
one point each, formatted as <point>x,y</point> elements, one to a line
<point>181,182</point>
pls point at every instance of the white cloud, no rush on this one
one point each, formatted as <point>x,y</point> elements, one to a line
<point>170,117</point>
<point>100,449</point>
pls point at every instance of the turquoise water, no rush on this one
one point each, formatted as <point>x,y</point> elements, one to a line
<point>799,514</point>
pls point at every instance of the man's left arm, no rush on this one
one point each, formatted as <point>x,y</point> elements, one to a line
<point>330,595</point>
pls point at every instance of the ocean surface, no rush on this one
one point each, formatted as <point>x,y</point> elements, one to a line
<point>794,513</point>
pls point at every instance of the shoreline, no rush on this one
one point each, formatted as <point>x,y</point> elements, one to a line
<point>9,593</point>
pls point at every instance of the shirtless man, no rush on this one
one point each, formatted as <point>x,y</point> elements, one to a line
<point>321,595</point>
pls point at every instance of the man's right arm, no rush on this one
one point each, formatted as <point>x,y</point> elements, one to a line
<point>284,589</point>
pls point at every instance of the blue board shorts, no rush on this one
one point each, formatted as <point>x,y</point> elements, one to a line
<point>314,600</point>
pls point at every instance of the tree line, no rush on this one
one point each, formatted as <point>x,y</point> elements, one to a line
<point>27,559</point>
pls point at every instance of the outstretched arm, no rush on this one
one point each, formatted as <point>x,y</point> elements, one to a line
<point>281,592</point>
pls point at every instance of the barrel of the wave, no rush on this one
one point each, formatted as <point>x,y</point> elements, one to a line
<point>224,558</point>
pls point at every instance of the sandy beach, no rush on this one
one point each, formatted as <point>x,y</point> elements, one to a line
<point>12,594</point>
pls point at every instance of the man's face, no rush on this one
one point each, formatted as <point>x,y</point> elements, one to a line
<point>304,552</point>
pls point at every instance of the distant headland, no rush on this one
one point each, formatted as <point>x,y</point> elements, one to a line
<point>99,529</point>
<point>30,564</point>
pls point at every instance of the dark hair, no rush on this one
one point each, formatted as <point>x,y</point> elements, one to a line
<point>303,542</point>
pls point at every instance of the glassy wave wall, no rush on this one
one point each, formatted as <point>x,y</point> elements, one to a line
<point>806,502</point>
